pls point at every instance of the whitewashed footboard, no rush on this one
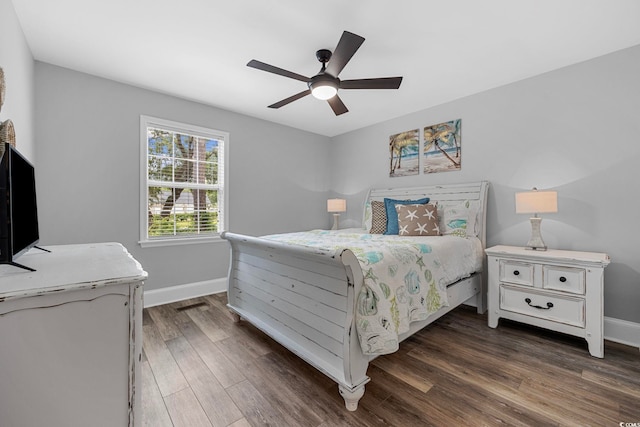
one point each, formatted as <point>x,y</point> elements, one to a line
<point>305,297</point>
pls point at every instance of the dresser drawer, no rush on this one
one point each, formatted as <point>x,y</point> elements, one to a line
<point>520,273</point>
<point>567,279</point>
<point>556,308</point>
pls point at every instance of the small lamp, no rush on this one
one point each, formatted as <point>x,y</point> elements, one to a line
<point>335,206</point>
<point>536,202</point>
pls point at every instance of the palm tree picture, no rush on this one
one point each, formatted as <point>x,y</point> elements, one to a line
<point>404,153</point>
<point>442,147</point>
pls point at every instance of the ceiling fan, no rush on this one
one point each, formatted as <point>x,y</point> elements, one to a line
<point>326,83</point>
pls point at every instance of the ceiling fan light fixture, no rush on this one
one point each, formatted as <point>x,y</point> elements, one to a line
<point>324,92</point>
<point>323,86</point>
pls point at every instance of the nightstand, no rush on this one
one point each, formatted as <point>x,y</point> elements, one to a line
<point>553,289</point>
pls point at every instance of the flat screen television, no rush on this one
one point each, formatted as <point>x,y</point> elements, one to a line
<point>18,208</point>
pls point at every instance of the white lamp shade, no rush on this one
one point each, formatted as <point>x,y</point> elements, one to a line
<point>336,205</point>
<point>537,202</point>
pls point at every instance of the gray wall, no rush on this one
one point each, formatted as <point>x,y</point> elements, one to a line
<point>575,130</point>
<point>88,147</point>
<point>17,62</point>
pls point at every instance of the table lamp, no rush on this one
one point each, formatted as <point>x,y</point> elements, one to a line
<point>336,206</point>
<point>536,202</point>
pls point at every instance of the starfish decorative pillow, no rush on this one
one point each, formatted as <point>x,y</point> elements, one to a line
<point>418,220</point>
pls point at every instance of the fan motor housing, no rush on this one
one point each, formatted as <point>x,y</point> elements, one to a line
<point>324,79</point>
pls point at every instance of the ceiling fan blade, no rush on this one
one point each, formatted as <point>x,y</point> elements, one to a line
<point>379,83</point>
<point>275,70</point>
<point>290,99</point>
<point>347,46</point>
<point>337,105</point>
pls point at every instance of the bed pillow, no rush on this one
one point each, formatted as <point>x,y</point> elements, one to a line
<point>392,215</point>
<point>366,218</point>
<point>418,220</point>
<point>459,218</point>
<point>378,218</point>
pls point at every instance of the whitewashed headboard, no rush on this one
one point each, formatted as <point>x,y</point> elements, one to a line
<point>442,192</point>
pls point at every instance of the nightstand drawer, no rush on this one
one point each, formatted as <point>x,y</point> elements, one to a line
<point>520,273</point>
<point>556,308</point>
<point>567,279</point>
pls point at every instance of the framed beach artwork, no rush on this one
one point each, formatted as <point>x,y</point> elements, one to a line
<point>404,153</point>
<point>442,147</point>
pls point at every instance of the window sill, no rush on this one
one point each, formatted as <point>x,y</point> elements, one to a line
<point>152,243</point>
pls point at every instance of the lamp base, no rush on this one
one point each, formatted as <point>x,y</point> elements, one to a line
<point>536,243</point>
<point>335,221</point>
<point>535,248</point>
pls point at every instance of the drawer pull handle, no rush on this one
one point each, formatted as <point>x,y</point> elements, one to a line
<point>516,273</point>
<point>528,301</point>
<point>563,279</point>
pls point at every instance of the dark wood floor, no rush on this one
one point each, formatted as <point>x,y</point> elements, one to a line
<point>200,369</point>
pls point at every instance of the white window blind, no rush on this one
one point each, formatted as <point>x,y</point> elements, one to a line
<point>184,186</point>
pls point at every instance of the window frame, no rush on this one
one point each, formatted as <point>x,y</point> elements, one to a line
<point>223,187</point>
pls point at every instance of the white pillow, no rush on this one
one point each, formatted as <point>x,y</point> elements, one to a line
<point>459,217</point>
<point>368,217</point>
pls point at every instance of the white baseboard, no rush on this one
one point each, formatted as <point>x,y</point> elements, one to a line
<point>622,331</point>
<point>170,294</point>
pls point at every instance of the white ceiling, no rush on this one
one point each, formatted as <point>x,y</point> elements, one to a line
<point>444,49</point>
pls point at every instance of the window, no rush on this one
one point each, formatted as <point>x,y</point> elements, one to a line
<point>183,189</point>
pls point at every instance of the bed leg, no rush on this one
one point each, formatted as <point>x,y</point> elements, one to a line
<point>351,397</point>
<point>235,316</point>
<point>481,304</point>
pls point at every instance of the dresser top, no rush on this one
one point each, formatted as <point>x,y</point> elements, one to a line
<point>69,267</point>
<point>550,255</point>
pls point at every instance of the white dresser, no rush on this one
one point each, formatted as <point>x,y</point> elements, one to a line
<point>71,338</point>
<point>553,289</point>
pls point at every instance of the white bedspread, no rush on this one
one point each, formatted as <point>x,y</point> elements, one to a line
<point>405,278</point>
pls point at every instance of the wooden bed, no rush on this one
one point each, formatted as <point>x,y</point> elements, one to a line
<point>280,289</point>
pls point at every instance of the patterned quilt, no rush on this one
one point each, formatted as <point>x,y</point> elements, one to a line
<point>405,278</point>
